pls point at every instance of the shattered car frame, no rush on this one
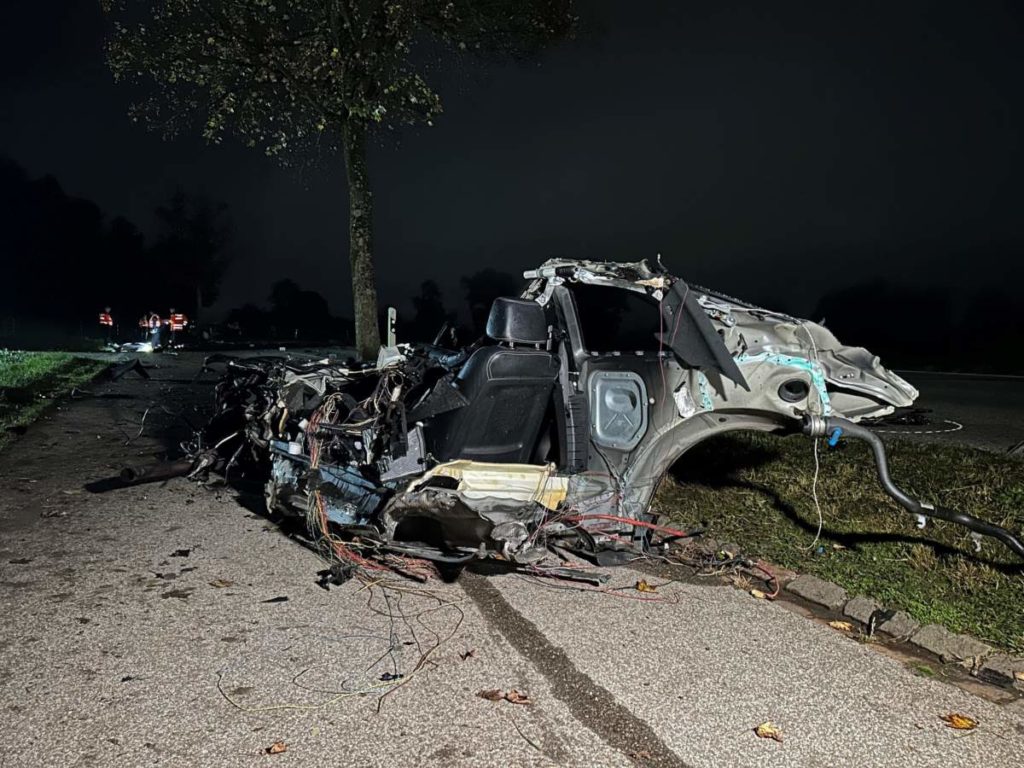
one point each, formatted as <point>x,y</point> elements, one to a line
<point>530,439</point>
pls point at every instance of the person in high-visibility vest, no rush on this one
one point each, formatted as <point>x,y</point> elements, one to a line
<point>107,322</point>
<point>177,322</point>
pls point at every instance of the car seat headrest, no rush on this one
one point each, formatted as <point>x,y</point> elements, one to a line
<point>520,321</point>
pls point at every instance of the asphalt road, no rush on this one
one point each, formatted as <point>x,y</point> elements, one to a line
<point>145,626</point>
<point>989,408</point>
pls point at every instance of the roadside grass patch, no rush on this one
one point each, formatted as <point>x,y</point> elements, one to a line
<point>756,490</point>
<point>30,381</point>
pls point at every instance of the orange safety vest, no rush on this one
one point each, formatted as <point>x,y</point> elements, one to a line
<point>106,319</point>
<point>178,321</point>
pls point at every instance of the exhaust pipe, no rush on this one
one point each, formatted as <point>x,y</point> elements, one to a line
<point>832,427</point>
<point>154,473</point>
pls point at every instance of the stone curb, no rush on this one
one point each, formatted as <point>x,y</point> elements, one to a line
<point>980,659</point>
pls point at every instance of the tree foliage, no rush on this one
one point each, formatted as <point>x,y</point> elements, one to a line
<point>482,288</point>
<point>65,260</point>
<point>430,315</point>
<point>191,246</point>
<point>293,74</point>
<point>303,78</point>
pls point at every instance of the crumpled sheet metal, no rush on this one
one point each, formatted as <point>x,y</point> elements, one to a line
<point>523,483</point>
<point>354,447</point>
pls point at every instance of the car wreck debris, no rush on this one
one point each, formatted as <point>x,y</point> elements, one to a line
<point>551,433</point>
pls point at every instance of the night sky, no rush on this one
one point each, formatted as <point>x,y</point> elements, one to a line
<point>773,150</point>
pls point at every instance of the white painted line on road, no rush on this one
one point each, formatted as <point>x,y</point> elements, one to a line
<point>954,426</point>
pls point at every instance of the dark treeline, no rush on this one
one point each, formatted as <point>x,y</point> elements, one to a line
<point>294,314</point>
<point>303,314</point>
<point>63,261</point>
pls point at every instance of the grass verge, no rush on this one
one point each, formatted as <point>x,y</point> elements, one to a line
<point>756,491</point>
<point>30,381</point>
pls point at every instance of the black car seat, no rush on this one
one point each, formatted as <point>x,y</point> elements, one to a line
<point>508,387</point>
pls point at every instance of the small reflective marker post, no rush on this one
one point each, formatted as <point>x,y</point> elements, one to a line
<point>392,320</point>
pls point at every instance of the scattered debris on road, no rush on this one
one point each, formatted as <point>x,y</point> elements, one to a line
<point>134,365</point>
<point>276,748</point>
<point>768,730</point>
<point>548,435</point>
<point>959,722</point>
<point>842,626</point>
<point>512,696</point>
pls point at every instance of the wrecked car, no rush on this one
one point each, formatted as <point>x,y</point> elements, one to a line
<point>552,431</point>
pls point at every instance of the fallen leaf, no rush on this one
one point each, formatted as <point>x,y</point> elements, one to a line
<point>758,594</point>
<point>468,654</point>
<point>959,722</point>
<point>768,730</point>
<point>221,583</point>
<point>842,626</point>
<point>387,677</point>
<point>837,545</point>
<point>643,586</point>
<point>279,599</point>
<point>513,696</point>
<point>517,697</point>
<point>276,748</point>
<point>1019,675</point>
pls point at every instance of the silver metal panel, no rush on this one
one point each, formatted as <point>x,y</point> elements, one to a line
<point>618,407</point>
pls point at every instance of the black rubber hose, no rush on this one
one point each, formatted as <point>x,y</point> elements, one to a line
<point>817,426</point>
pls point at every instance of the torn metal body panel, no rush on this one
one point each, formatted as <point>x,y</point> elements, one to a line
<point>553,430</point>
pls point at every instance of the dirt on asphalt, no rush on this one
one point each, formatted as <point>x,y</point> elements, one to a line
<point>168,624</point>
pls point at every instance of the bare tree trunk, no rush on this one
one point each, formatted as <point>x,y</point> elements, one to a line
<point>360,233</point>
